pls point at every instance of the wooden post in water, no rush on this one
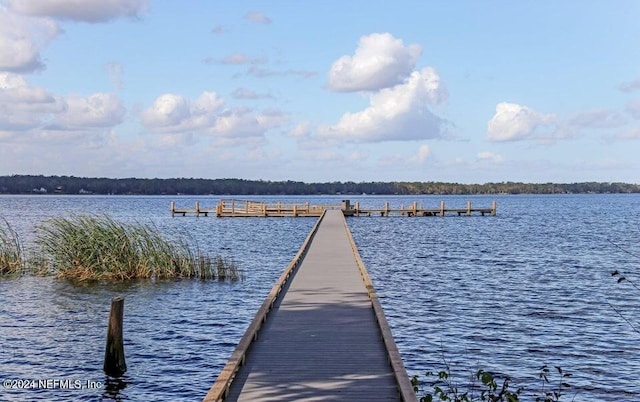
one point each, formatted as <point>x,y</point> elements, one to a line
<point>197,208</point>
<point>468,208</point>
<point>441,208</point>
<point>173,208</point>
<point>494,207</point>
<point>114,362</point>
<point>386,208</point>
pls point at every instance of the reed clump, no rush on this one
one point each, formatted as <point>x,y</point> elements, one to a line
<point>12,260</point>
<point>97,248</point>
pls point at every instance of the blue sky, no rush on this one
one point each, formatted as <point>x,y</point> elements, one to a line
<point>468,91</point>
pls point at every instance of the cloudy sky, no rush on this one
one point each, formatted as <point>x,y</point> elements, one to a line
<point>469,91</point>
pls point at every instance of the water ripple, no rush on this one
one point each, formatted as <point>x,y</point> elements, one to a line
<point>510,293</point>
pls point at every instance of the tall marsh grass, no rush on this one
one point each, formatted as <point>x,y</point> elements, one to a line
<point>99,248</point>
<point>12,260</point>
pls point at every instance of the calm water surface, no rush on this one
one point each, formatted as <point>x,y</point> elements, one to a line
<point>510,293</point>
<point>531,286</point>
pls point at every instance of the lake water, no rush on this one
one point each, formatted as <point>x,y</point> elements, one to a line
<point>508,294</point>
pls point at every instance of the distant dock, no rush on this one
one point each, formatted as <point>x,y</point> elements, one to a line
<point>243,208</point>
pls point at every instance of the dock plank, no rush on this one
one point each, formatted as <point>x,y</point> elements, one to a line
<point>321,340</point>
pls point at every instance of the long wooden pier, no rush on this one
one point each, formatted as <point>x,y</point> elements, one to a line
<point>320,334</point>
<point>244,208</point>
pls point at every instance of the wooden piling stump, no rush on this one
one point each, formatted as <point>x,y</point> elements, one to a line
<point>114,361</point>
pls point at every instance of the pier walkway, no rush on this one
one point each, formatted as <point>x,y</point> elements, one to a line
<point>320,334</point>
<point>247,208</point>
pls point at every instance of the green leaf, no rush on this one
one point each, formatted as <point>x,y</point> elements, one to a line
<point>487,378</point>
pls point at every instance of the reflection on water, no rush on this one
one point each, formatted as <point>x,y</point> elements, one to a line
<point>510,293</point>
<point>113,387</point>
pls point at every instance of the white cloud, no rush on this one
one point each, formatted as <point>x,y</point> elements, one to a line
<point>25,107</point>
<point>237,123</point>
<point>380,61</point>
<point>95,111</point>
<point>21,40</point>
<point>26,27</point>
<point>513,122</point>
<point>171,113</point>
<point>85,11</point>
<point>167,110</point>
<point>174,113</point>
<point>301,130</point>
<point>34,115</point>
<point>575,126</point>
<point>420,157</point>
<point>257,17</point>
<point>398,113</point>
<point>487,156</point>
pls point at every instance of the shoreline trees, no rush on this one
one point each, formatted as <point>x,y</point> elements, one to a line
<point>30,184</point>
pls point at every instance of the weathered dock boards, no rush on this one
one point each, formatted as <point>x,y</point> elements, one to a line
<point>326,337</point>
<point>415,210</point>
<point>243,208</point>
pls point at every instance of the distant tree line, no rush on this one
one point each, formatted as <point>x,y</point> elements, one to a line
<point>26,184</point>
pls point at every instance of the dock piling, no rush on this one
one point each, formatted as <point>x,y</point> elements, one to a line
<point>114,361</point>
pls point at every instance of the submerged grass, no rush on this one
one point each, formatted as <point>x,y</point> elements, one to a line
<point>12,260</point>
<point>88,248</point>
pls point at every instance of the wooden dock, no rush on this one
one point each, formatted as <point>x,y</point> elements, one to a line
<point>320,334</point>
<point>243,208</point>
